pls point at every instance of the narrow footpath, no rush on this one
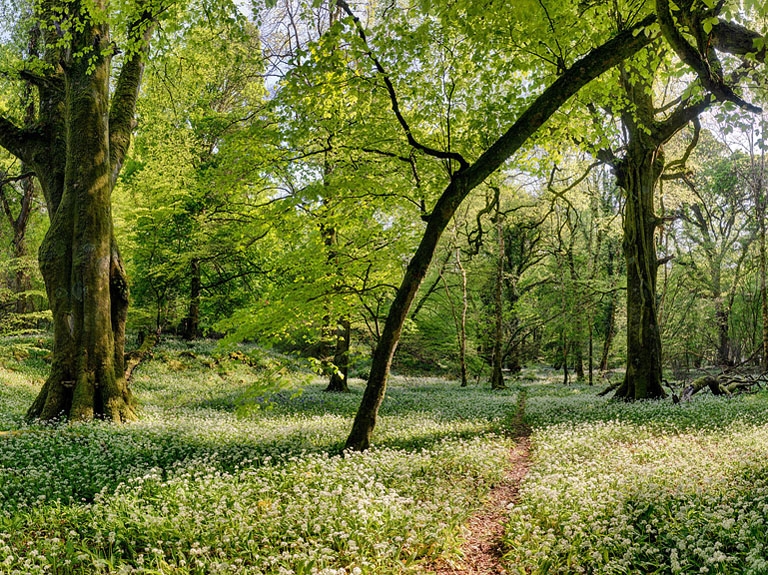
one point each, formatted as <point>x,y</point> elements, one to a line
<point>482,550</point>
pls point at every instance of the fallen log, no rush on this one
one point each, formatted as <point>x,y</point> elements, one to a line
<point>724,384</point>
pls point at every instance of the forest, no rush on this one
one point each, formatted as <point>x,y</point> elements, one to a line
<point>337,287</point>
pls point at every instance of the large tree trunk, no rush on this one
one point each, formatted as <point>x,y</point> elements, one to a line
<point>77,163</point>
<point>638,176</point>
<point>80,262</point>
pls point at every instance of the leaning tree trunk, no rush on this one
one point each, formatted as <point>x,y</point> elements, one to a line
<point>638,175</point>
<point>469,177</point>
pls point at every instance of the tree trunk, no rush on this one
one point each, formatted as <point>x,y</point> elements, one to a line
<point>192,324</point>
<point>723,341</point>
<point>638,175</point>
<point>463,322</point>
<point>591,357</point>
<point>760,202</point>
<point>610,320</point>
<point>497,375</point>
<point>77,164</point>
<point>565,359</point>
<point>339,377</point>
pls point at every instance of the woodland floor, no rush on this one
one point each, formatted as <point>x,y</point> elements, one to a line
<point>482,551</point>
<point>234,467</point>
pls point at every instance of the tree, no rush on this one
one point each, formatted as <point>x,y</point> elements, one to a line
<point>76,149</point>
<point>462,181</point>
<point>470,174</point>
<point>190,216</point>
<point>643,164</point>
<point>716,230</point>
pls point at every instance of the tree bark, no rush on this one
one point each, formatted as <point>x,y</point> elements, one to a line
<point>760,202</point>
<point>192,324</point>
<point>77,160</point>
<point>723,341</point>
<point>463,321</point>
<point>497,359</point>
<point>640,172</point>
<point>465,180</point>
<point>610,321</point>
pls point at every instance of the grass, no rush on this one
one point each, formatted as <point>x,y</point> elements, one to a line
<point>234,467</point>
<point>642,488</point>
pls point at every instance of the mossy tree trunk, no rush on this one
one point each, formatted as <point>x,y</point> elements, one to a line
<point>640,172</point>
<point>637,175</point>
<point>76,150</point>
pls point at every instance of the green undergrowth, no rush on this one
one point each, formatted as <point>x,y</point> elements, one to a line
<point>649,487</point>
<point>235,467</point>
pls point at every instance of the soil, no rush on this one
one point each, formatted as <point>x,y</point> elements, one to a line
<point>482,551</point>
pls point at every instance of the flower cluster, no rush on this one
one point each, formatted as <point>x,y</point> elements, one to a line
<point>650,487</point>
<point>205,484</point>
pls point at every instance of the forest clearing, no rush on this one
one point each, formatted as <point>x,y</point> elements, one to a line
<point>220,474</point>
<point>333,287</point>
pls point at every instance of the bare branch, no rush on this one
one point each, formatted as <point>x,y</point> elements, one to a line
<point>445,155</point>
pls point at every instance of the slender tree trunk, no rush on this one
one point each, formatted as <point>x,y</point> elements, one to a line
<point>565,359</point>
<point>578,361</point>
<point>723,341</point>
<point>761,213</point>
<point>192,324</point>
<point>463,322</point>
<point>339,377</point>
<point>497,375</point>
<point>591,351</point>
<point>610,320</point>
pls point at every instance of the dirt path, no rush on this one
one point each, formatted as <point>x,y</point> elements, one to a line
<point>482,549</point>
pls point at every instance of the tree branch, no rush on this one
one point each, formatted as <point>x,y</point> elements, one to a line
<point>708,72</point>
<point>19,142</point>
<point>737,40</point>
<point>123,107</point>
<point>393,96</point>
<point>680,118</point>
